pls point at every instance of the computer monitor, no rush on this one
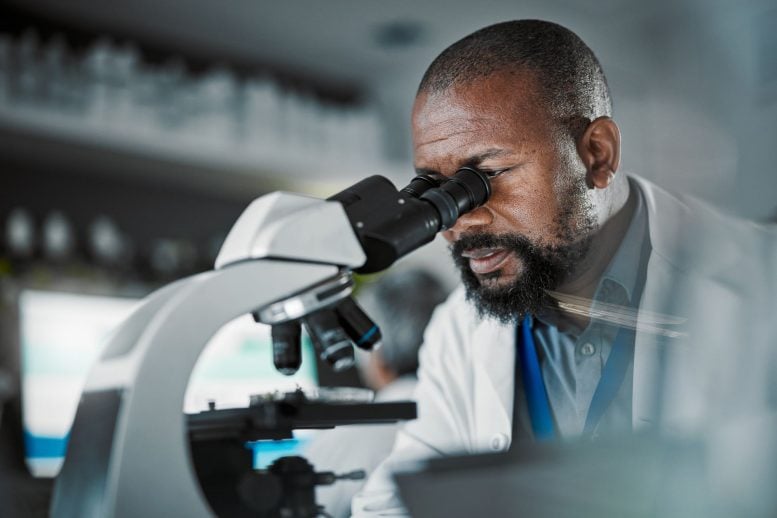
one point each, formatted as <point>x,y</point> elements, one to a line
<point>62,334</point>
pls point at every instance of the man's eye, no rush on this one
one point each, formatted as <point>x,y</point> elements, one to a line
<point>495,172</point>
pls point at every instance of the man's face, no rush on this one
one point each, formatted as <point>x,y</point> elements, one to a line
<point>534,229</point>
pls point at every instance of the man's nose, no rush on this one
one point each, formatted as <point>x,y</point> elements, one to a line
<point>476,218</point>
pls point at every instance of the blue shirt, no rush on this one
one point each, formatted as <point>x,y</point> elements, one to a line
<point>572,364</point>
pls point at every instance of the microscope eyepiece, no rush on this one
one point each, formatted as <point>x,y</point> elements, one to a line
<point>422,183</point>
<point>391,223</point>
<point>464,191</point>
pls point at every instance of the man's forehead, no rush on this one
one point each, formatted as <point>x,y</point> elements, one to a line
<point>455,126</point>
<point>451,118</point>
<point>452,127</point>
<point>490,102</point>
<point>463,108</point>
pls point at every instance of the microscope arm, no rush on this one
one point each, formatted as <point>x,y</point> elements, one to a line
<point>128,454</point>
<point>130,432</point>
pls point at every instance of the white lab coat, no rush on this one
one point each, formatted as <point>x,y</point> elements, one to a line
<point>717,272</point>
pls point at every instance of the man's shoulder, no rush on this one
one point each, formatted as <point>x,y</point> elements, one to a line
<point>686,209</point>
<point>452,321</point>
<point>458,311</point>
<point>456,324</point>
<point>694,235</point>
<point>457,301</point>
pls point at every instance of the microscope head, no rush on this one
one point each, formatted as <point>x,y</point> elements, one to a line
<point>364,228</point>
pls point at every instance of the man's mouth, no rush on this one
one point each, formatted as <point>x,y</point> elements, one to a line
<point>483,261</point>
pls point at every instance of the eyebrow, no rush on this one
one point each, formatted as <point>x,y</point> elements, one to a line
<point>478,159</point>
<point>473,161</point>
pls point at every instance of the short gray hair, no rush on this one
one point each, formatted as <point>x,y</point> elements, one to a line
<point>573,85</point>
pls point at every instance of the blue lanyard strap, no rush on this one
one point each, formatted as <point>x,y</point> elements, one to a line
<point>540,413</point>
<point>533,386</point>
<point>621,355</point>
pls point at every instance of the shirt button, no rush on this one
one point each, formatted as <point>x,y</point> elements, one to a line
<point>587,349</point>
<point>499,442</point>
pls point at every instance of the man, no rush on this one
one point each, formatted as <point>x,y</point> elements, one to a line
<point>401,302</point>
<point>592,303</point>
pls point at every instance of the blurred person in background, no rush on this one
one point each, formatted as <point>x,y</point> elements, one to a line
<point>401,303</point>
<point>593,303</point>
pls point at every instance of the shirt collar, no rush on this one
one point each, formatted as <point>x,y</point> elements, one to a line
<point>625,274</point>
<point>627,266</point>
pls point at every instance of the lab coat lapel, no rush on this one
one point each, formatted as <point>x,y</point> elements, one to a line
<point>648,347</point>
<point>682,281</point>
<point>671,374</point>
<point>660,285</point>
<point>493,353</point>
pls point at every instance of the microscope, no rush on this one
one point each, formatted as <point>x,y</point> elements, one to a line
<point>288,261</point>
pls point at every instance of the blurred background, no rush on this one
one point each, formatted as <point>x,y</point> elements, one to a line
<point>133,133</point>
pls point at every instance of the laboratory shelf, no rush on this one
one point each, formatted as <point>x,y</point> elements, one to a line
<point>29,135</point>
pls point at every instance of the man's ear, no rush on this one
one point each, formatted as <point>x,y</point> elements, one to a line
<point>600,150</point>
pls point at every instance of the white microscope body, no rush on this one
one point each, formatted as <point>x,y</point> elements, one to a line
<point>288,255</point>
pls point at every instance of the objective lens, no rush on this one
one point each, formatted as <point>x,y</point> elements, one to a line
<point>363,331</point>
<point>329,338</point>
<point>286,347</point>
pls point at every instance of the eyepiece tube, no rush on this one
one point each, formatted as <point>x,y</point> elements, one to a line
<point>391,223</point>
<point>469,187</point>
<point>422,183</point>
<point>461,193</point>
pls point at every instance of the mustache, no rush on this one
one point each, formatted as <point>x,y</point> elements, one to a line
<point>514,242</point>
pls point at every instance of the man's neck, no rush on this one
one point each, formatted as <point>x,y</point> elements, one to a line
<point>604,244</point>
